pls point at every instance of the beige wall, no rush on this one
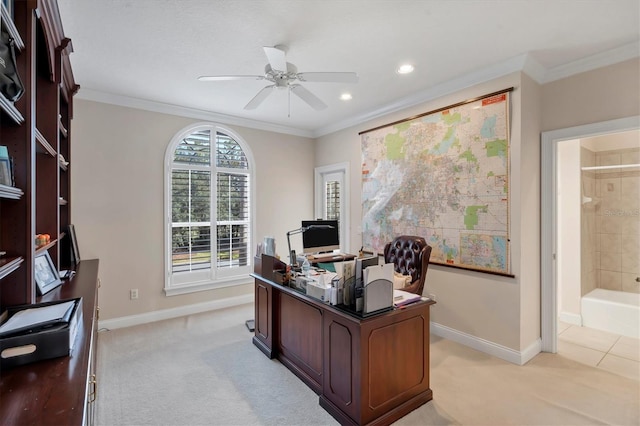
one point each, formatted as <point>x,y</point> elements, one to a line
<point>529,246</point>
<point>117,199</point>
<point>591,97</point>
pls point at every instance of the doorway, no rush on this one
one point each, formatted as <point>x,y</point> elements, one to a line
<point>331,198</point>
<point>549,207</point>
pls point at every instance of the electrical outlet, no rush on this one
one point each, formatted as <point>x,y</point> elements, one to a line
<point>431,296</point>
<point>133,293</point>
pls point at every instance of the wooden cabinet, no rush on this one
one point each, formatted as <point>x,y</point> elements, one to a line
<point>36,131</point>
<point>58,391</point>
<point>366,371</point>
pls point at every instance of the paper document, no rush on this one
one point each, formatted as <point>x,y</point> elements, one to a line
<point>38,317</point>
<point>401,297</point>
<point>378,272</point>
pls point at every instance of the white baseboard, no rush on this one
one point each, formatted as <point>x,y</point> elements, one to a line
<point>180,311</point>
<point>569,318</point>
<point>499,351</point>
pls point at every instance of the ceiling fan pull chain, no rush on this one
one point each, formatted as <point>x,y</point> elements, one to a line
<point>289,107</point>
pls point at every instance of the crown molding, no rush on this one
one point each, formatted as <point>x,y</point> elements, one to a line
<point>599,60</point>
<point>146,105</point>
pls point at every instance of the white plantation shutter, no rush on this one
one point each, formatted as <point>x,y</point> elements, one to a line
<point>191,220</point>
<point>233,203</point>
<point>209,209</point>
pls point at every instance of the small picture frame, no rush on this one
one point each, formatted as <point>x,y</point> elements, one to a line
<point>46,275</point>
<point>75,252</point>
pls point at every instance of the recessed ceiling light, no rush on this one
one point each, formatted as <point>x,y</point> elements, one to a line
<point>405,69</point>
<point>346,96</point>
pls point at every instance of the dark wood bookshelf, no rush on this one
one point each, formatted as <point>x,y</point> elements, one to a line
<point>40,203</point>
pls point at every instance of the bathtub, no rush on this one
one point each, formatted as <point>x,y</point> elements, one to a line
<point>613,311</point>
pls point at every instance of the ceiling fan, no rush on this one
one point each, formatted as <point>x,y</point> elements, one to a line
<point>284,75</point>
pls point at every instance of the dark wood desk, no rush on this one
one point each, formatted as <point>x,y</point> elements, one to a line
<point>58,391</point>
<point>367,371</point>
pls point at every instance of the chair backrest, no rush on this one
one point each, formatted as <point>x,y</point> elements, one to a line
<point>410,256</point>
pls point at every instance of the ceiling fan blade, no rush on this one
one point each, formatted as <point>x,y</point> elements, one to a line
<point>328,77</point>
<point>260,97</point>
<point>308,97</point>
<point>230,77</point>
<point>276,58</point>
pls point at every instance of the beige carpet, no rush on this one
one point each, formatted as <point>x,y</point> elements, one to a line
<point>204,370</point>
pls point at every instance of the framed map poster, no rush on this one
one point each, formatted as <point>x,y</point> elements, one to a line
<point>444,176</point>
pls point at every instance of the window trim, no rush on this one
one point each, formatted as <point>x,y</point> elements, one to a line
<point>212,281</point>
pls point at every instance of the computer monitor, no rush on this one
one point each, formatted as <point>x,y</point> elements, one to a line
<point>321,236</point>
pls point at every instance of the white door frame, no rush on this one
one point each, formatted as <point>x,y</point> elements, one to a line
<point>319,173</point>
<point>548,204</point>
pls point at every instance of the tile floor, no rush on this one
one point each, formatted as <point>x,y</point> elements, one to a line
<point>600,349</point>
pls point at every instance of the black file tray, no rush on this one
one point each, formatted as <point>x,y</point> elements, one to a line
<point>31,346</point>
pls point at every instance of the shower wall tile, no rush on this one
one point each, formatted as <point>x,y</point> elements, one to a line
<point>588,184</point>
<point>611,261</point>
<point>587,157</point>
<point>630,256</point>
<point>608,188</point>
<point>629,283</point>
<point>629,243</point>
<point>592,282</point>
<point>630,262</point>
<point>630,187</point>
<point>632,156</point>
<point>608,159</point>
<point>609,224</point>
<point>610,243</point>
<point>630,225</point>
<point>610,280</point>
<point>629,207</point>
<point>617,224</point>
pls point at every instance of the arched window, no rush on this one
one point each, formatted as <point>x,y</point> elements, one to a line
<point>208,210</point>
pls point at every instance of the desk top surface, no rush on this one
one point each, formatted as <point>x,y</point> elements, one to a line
<point>341,308</point>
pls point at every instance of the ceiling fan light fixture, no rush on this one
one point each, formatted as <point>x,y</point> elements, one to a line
<point>405,69</point>
<point>346,97</point>
<point>284,75</point>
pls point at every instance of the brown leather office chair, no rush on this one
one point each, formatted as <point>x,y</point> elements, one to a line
<point>410,256</point>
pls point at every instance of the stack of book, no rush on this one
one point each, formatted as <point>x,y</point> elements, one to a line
<point>6,169</point>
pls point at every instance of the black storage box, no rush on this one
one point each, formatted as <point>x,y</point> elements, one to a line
<point>38,345</point>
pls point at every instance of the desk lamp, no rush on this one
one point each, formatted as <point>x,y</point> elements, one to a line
<point>292,256</point>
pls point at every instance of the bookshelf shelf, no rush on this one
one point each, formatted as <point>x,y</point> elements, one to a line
<point>10,192</point>
<point>9,264</point>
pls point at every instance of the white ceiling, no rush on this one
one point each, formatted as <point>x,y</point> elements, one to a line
<point>130,52</point>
